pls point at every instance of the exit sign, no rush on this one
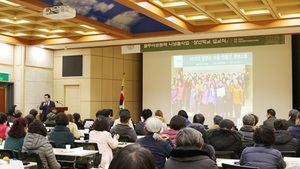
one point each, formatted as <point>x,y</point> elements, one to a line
<point>4,77</point>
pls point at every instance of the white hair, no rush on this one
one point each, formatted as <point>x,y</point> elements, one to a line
<point>154,125</point>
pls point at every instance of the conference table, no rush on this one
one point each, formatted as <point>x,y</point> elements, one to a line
<point>291,162</point>
<point>74,152</point>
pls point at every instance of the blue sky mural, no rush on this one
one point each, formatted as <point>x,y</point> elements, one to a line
<point>114,14</point>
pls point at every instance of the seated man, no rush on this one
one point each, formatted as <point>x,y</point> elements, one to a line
<point>139,128</point>
<point>295,130</point>
<point>126,133</point>
<point>226,138</point>
<point>117,121</point>
<point>247,130</point>
<point>271,117</point>
<point>284,141</point>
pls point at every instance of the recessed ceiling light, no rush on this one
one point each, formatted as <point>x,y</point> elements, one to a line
<point>294,15</point>
<point>255,12</point>
<point>52,31</point>
<point>14,34</point>
<point>170,4</point>
<point>230,20</point>
<point>87,33</point>
<point>50,36</point>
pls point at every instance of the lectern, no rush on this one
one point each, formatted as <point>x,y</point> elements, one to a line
<point>59,109</point>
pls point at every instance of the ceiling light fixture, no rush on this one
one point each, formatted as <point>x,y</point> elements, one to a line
<point>86,26</point>
<point>9,3</point>
<point>255,12</point>
<point>294,15</point>
<point>52,31</point>
<point>59,12</point>
<point>14,21</point>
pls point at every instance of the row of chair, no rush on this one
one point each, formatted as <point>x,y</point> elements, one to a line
<point>230,154</point>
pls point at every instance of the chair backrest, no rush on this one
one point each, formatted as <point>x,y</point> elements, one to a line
<point>288,153</point>
<point>224,154</point>
<point>31,157</point>
<point>7,152</point>
<point>91,146</point>
<point>231,166</point>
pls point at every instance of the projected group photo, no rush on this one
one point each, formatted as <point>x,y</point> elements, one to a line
<point>212,84</point>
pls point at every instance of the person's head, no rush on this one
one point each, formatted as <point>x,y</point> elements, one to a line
<point>159,113</point>
<point>248,120</point>
<point>61,119</point>
<point>271,112</point>
<point>133,155</point>
<point>177,122</point>
<point>198,118</point>
<point>76,117</point>
<point>101,124</point>
<point>70,118</point>
<point>217,119</point>
<point>189,137</point>
<point>264,135</point>
<point>293,114</point>
<point>29,118</point>
<point>37,127</point>
<point>33,112</point>
<point>105,112</point>
<point>226,124</point>
<point>11,111</point>
<point>154,125</point>
<point>125,117</point>
<point>255,119</point>
<point>122,110</point>
<point>47,97</point>
<point>18,113</point>
<point>3,118</point>
<point>202,130</point>
<point>146,113</point>
<point>183,113</point>
<point>281,124</point>
<point>98,113</point>
<point>19,128</point>
<point>296,122</point>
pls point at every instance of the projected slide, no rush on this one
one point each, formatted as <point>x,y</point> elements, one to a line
<point>211,84</point>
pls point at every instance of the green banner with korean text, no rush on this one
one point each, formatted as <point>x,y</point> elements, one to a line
<point>214,43</point>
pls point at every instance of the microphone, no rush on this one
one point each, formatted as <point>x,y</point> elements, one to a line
<point>59,103</point>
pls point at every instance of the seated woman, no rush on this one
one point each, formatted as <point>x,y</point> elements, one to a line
<point>177,122</point>
<point>3,126</point>
<point>262,155</point>
<point>102,137</point>
<point>16,135</point>
<point>61,134</point>
<point>188,153</point>
<point>36,142</point>
<point>73,127</point>
<point>160,149</point>
<point>133,155</point>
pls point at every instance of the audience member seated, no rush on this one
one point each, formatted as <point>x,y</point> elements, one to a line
<point>73,127</point>
<point>217,119</point>
<point>160,147</point>
<point>36,142</point>
<point>105,142</point>
<point>206,147</point>
<point>78,121</point>
<point>159,114</point>
<point>50,118</point>
<point>3,126</point>
<point>271,117</point>
<point>139,127</point>
<point>256,119</point>
<point>292,117</point>
<point>247,130</point>
<point>18,114</point>
<point>199,118</point>
<point>29,118</point>
<point>33,112</point>
<point>177,122</point>
<point>133,156</point>
<point>107,113</point>
<point>126,133</point>
<point>61,134</point>
<point>188,153</point>
<point>11,114</point>
<point>117,121</point>
<point>284,141</point>
<point>185,116</point>
<point>262,155</point>
<point>15,138</point>
<point>226,138</point>
<point>295,130</point>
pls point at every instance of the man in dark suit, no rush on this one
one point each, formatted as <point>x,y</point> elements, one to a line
<point>45,105</point>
